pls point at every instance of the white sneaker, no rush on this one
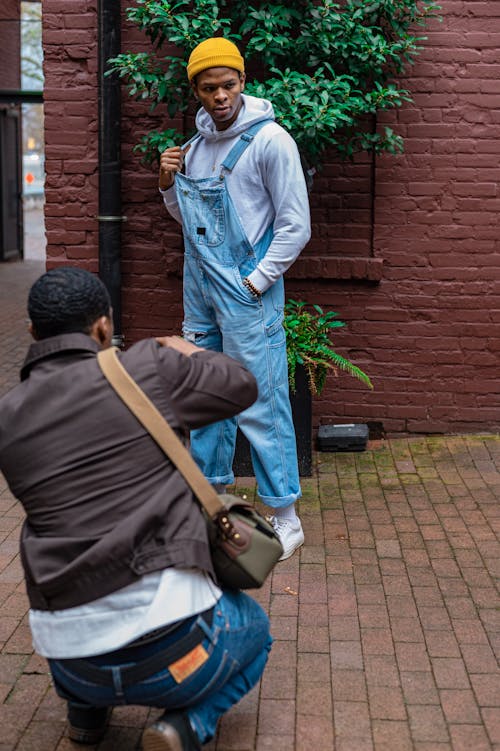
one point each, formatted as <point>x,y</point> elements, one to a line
<point>290,534</point>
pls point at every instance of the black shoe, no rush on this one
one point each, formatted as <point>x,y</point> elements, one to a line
<point>87,724</point>
<point>172,732</point>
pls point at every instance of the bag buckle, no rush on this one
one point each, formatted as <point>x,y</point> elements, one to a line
<point>230,533</point>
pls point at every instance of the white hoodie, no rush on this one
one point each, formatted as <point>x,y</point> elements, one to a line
<point>266,186</point>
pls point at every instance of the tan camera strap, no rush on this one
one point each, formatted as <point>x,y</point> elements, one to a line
<point>154,422</point>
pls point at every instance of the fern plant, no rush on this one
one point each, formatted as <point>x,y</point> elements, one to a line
<point>308,331</point>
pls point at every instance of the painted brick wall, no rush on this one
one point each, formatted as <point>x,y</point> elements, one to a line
<point>10,42</point>
<point>405,248</point>
<point>430,331</point>
<point>70,67</point>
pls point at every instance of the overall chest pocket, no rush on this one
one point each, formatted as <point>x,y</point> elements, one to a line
<point>207,220</point>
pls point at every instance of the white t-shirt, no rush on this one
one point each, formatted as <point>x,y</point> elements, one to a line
<point>113,621</point>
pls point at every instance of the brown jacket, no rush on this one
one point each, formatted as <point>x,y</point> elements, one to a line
<point>104,505</point>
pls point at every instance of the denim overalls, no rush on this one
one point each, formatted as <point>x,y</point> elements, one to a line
<point>220,314</point>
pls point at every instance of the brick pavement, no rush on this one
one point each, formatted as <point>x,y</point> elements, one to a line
<point>386,624</point>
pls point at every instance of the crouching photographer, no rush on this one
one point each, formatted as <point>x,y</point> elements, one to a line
<point>123,602</point>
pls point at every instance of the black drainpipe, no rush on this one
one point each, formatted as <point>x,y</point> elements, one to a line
<point>110,208</point>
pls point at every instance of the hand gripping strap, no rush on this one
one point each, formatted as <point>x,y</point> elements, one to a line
<point>191,140</point>
<point>154,422</point>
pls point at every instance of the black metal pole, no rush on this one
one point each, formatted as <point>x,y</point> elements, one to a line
<point>110,209</point>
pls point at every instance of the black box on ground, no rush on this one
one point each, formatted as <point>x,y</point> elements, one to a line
<point>342,437</point>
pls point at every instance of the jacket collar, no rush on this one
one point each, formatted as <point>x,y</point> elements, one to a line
<point>56,345</point>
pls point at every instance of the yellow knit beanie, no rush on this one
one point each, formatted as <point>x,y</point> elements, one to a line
<point>216,52</point>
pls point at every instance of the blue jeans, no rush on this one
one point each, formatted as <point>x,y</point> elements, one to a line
<point>238,643</point>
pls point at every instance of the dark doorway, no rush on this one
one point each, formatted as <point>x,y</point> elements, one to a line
<point>22,231</point>
<point>11,210</point>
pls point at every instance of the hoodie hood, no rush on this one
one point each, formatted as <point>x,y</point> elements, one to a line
<point>253,111</point>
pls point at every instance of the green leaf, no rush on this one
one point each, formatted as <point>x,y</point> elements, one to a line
<point>308,342</point>
<point>328,67</point>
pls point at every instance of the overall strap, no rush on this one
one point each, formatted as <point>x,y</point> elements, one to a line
<point>184,146</point>
<point>243,143</point>
<point>191,140</point>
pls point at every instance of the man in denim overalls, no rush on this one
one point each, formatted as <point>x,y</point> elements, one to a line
<point>243,205</point>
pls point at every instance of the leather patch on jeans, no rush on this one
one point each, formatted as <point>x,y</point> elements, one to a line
<point>187,665</point>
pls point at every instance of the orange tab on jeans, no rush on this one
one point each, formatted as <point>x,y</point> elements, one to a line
<point>183,668</point>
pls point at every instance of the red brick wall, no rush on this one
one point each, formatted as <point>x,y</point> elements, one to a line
<point>430,332</point>
<point>405,248</point>
<point>70,67</point>
<point>10,45</point>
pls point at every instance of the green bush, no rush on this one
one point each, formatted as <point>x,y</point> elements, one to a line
<point>328,67</point>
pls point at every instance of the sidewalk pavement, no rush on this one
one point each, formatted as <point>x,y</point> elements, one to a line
<point>386,623</point>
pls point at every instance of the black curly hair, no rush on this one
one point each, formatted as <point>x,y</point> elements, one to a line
<point>66,300</point>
